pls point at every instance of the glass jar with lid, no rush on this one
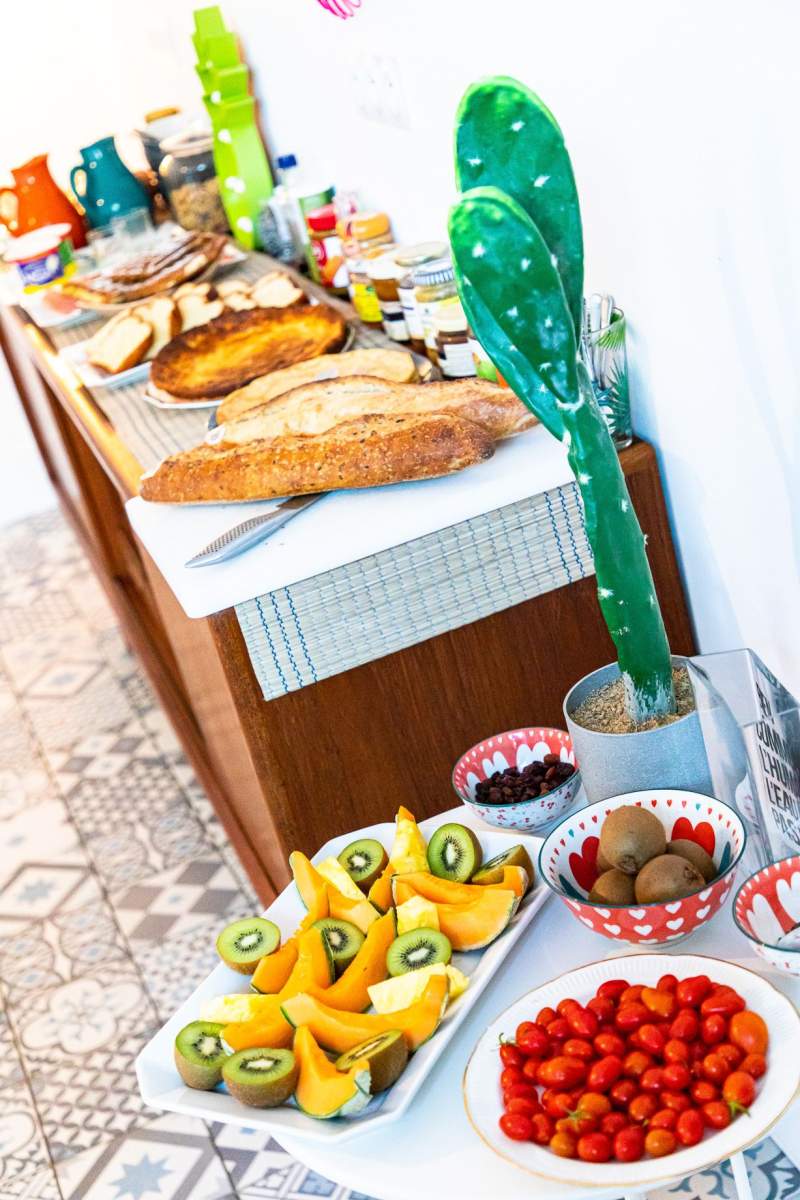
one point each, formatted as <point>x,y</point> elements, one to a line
<point>453,348</point>
<point>434,283</point>
<point>408,259</point>
<point>190,182</point>
<point>385,273</point>
<point>326,246</point>
<point>364,235</point>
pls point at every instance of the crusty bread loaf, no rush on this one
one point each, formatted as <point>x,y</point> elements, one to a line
<point>395,365</point>
<point>149,274</point>
<point>228,352</point>
<point>317,407</point>
<point>365,453</point>
<point>122,343</point>
<point>163,315</point>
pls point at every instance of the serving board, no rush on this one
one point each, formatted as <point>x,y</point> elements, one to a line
<point>162,1088</point>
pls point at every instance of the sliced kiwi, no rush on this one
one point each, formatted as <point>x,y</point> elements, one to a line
<point>243,943</point>
<point>454,853</point>
<point>696,855</point>
<point>343,938</point>
<point>667,877</point>
<point>613,887</point>
<point>417,948</point>
<point>492,871</point>
<point>199,1054</point>
<point>387,1054</point>
<point>364,860</point>
<point>262,1078</point>
<point>630,837</point>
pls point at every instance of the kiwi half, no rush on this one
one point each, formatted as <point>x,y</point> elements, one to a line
<point>417,948</point>
<point>492,871</point>
<point>667,877</point>
<point>243,943</point>
<point>630,837</point>
<point>364,860</point>
<point>199,1054</point>
<point>262,1078</point>
<point>696,855</point>
<point>454,852</point>
<point>344,940</point>
<point>387,1054</point>
<point>613,887</point>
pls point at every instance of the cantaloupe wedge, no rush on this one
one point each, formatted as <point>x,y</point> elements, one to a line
<point>340,1031</point>
<point>409,853</point>
<point>318,894</point>
<point>476,924</point>
<point>321,1090</point>
<point>274,969</point>
<point>350,992</point>
<point>446,891</point>
<point>359,912</point>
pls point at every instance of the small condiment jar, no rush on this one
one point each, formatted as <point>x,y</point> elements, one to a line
<point>452,340</point>
<point>408,260</point>
<point>384,272</point>
<point>434,282</point>
<point>326,246</point>
<point>365,235</point>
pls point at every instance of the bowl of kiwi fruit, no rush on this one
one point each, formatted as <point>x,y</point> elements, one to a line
<point>645,867</point>
<point>521,779</point>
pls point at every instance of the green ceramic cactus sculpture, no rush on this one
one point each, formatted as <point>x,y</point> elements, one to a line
<point>518,254</point>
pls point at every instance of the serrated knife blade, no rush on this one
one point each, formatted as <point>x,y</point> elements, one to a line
<point>251,532</point>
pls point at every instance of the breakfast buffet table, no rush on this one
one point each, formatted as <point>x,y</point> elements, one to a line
<point>297,697</point>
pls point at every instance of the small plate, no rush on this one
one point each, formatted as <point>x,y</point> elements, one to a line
<point>95,377</point>
<point>776,1091</point>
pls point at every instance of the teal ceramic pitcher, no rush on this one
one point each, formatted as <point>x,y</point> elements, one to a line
<point>104,185</point>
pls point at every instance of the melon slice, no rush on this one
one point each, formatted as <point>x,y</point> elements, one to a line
<point>321,1090</point>
<point>350,992</point>
<point>447,891</point>
<point>274,969</point>
<point>359,912</point>
<point>476,924</point>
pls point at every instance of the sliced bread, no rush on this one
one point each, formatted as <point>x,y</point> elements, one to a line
<point>164,315</point>
<point>197,310</point>
<point>122,343</point>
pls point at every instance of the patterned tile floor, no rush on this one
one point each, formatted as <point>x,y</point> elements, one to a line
<point>114,873</point>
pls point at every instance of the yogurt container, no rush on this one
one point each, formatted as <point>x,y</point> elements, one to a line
<point>42,257</point>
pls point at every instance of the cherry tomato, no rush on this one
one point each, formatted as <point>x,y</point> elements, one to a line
<point>563,1006</point>
<point>667,983</point>
<point>576,1124</point>
<point>557,1104</point>
<point>610,1043</point>
<point>579,1048</point>
<point>594,1104</point>
<point>724,1001</point>
<point>558,1030</point>
<point>676,1076</point>
<point>703,1092</point>
<point>713,1029</point>
<point>686,1025</point>
<point>662,1004</point>
<point>715,1068</point>
<point>612,1122</point>
<point>562,1072</point>
<point>522,1029</point>
<point>509,1076</point>
<point>631,995</point>
<point>692,991</point>
<point>545,1016</point>
<point>642,1108</point>
<point>622,1093</point>
<point>739,1091</point>
<point>533,1041</point>
<point>526,1105</point>
<point>510,1055</point>
<point>651,1038</point>
<point>676,1050</point>
<point>613,988</point>
<point>631,1016</point>
<point>595,1148</point>
<point>603,1008</point>
<point>749,1032</point>
<point>652,1080</point>
<point>689,1128</point>
<point>732,1054</point>
<point>542,1129</point>
<point>582,1022</point>
<point>754,1064</point>
<point>518,1089</point>
<point>629,1144</point>
<point>659,1142</point>
<point>665,1118</point>
<point>677,1101</point>
<point>564,1145</point>
<point>603,1073</point>
<point>530,1068</point>
<point>636,1063</point>
<point>697,1052</point>
<point>516,1126</point>
<point>717,1114</point>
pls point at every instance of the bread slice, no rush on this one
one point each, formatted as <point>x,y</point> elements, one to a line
<point>122,343</point>
<point>228,352</point>
<point>206,290</point>
<point>368,452</point>
<point>276,290</point>
<point>227,287</point>
<point>163,314</point>
<point>238,301</point>
<point>397,366</point>
<point>197,310</point>
<point>317,407</point>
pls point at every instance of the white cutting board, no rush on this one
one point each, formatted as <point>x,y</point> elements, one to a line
<point>341,528</point>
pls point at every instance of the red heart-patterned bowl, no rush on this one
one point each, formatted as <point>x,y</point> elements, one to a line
<point>766,909</point>
<point>568,864</point>
<point>517,748</point>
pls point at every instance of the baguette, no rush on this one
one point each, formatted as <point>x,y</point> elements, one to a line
<point>368,452</point>
<point>395,365</point>
<point>122,343</point>
<point>317,407</point>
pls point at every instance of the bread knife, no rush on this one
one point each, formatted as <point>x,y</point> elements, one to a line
<point>249,533</point>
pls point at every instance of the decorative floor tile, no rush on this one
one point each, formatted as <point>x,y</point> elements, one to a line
<point>101,705</point>
<point>22,1145</point>
<point>139,848</point>
<point>36,1185</point>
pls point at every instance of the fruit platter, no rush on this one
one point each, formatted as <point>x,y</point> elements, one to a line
<point>634,1070</point>
<point>326,1014</point>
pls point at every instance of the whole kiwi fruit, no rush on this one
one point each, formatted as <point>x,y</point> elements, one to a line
<point>630,837</point>
<point>613,887</point>
<point>696,855</point>
<point>667,877</point>
<point>601,864</point>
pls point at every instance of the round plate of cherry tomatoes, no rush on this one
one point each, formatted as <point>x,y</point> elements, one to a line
<point>635,1070</point>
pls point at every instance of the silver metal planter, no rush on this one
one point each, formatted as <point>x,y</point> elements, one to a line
<point>612,763</point>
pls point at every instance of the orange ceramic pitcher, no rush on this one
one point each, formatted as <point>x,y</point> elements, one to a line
<point>36,200</point>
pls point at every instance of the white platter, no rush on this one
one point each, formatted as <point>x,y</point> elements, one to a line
<point>95,377</point>
<point>161,1087</point>
<point>178,406</point>
<point>776,1091</point>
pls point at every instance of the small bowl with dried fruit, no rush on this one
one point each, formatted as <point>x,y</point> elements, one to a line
<point>521,779</point>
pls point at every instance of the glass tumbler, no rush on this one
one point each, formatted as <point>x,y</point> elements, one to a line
<point>607,352</point>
